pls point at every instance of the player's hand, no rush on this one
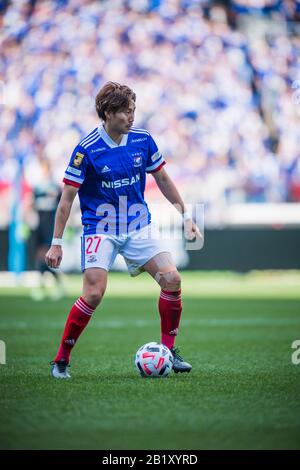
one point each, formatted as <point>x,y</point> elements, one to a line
<point>53,256</point>
<point>191,230</point>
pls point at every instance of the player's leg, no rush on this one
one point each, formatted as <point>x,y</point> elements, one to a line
<point>43,240</point>
<point>41,248</point>
<point>98,253</point>
<point>39,292</point>
<point>58,291</point>
<point>162,268</point>
<point>142,252</point>
<point>44,237</point>
<point>94,285</point>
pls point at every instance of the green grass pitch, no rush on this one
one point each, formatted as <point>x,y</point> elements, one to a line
<point>236,330</point>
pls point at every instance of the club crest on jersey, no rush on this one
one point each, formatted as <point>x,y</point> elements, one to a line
<point>78,159</point>
<point>91,259</point>
<point>137,160</point>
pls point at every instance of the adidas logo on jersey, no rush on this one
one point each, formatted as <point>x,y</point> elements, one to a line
<point>105,169</point>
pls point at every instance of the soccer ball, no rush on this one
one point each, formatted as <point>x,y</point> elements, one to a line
<point>154,360</point>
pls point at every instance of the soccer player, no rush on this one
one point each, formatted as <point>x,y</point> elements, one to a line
<point>108,170</point>
<point>46,195</point>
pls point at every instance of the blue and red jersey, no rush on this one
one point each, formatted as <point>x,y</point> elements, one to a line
<point>111,179</point>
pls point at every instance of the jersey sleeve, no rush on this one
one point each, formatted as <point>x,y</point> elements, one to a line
<point>155,160</point>
<point>76,170</point>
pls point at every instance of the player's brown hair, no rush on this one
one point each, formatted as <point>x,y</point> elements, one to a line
<point>113,97</point>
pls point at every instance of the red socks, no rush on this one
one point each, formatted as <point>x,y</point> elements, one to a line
<point>170,312</point>
<point>169,309</point>
<point>78,318</point>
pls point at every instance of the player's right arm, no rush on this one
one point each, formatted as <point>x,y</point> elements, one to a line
<point>54,255</point>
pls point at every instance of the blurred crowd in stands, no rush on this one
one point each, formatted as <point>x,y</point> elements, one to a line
<point>217,83</point>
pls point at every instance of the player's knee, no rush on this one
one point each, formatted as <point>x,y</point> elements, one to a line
<point>93,299</point>
<point>93,296</point>
<point>94,285</point>
<point>169,281</point>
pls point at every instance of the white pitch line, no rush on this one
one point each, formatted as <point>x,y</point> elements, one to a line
<point>111,324</point>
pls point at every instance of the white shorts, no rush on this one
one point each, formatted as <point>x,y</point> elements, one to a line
<point>137,248</point>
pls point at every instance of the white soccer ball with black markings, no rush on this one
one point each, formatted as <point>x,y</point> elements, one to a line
<point>154,360</point>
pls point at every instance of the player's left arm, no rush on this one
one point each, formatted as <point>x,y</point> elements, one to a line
<point>169,190</point>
